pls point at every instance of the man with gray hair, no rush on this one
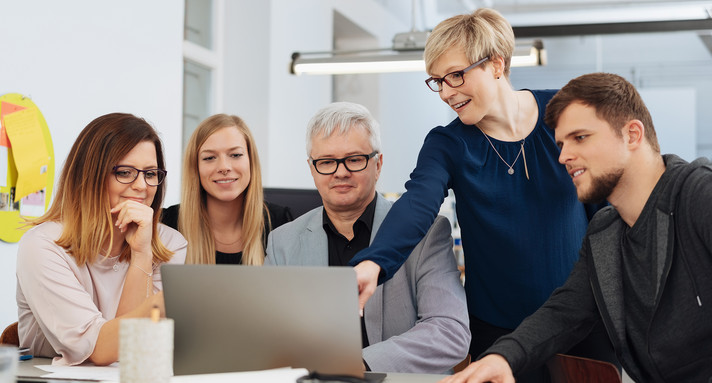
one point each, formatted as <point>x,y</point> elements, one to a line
<point>416,322</point>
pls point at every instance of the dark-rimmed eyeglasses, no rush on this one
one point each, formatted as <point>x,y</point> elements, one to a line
<point>452,79</point>
<point>354,163</point>
<point>127,174</point>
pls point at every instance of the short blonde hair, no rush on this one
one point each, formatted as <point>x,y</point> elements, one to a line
<point>482,33</point>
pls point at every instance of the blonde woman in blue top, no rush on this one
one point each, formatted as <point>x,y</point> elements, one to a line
<point>520,219</point>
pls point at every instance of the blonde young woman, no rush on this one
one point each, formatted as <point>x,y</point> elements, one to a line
<point>222,211</point>
<point>94,257</point>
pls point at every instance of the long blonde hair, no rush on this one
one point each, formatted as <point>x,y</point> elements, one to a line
<point>193,219</point>
<point>82,204</point>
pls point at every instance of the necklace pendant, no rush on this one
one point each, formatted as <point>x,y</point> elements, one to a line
<point>510,171</point>
<point>115,267</point>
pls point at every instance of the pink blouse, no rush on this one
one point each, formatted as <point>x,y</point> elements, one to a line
<point>62,306</point>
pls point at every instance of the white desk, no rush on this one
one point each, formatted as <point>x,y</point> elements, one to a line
<point>28,373</point>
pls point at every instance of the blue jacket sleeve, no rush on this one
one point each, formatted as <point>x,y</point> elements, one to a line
<point>411,216</point>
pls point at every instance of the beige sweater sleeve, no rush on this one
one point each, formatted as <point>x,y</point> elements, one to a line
<point>62,306</point>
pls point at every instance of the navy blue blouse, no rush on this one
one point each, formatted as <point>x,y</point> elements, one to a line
<point>520,236</point>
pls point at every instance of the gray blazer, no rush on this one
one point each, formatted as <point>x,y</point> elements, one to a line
<point>417,322</point>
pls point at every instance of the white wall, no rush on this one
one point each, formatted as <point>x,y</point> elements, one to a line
<point>672,71</point>
<point>277,105</point>
<point>80,59</point>
<point>675,128</point>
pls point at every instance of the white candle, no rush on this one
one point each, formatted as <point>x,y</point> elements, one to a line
<point>146,350</point>
<point>9,357</point>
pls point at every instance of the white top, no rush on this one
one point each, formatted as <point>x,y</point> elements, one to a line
<point>62,306</point>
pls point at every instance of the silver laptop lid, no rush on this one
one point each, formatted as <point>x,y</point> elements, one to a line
<point>242,318</point>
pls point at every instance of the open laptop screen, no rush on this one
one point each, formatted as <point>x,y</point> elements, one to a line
<point>242,318</point>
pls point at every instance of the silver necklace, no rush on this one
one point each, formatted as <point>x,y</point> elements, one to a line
<point>115,267</point>
<point>510,171</point>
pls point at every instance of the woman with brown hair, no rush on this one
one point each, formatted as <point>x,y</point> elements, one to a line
<point>222,212</point>
<point>94,257</point>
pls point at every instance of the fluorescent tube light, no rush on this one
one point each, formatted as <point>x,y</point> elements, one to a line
<point>526,54</point>
<point>383,63</point>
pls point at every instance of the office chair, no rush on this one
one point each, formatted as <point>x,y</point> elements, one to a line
<point>9,335</point>
<point>569,369</point>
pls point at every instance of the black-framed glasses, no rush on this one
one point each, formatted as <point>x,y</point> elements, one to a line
<point>127,174</point>
<point>354,163</point>
<point>452,79</point>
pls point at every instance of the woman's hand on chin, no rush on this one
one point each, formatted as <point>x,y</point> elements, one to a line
<point>135,221</point>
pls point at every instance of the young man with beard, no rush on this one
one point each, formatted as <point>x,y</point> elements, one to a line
<point>646,260</point>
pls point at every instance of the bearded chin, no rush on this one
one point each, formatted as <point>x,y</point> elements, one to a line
<point>602,187</point>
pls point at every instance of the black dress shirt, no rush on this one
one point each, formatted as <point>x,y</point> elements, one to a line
<point>341,250</point>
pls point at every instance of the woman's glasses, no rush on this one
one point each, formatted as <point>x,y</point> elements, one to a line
<point>452,79</point>
<point>128,174</point>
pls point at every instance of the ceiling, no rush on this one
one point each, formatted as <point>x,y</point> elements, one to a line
<point>524,6</point>
<point>547,12</point>
<point>550,18</point>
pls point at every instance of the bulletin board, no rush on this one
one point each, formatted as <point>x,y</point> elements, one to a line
<point>26,165</point>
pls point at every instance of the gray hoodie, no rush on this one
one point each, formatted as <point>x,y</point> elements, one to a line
<point>679,335</point>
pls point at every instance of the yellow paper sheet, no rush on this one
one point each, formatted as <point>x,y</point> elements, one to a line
<point>28,150</point>
<point>8,174</point>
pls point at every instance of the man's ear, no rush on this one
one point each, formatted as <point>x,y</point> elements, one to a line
<point>634,133</point>
<point>379,165</point>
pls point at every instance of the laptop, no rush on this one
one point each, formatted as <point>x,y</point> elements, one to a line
<point>243,318</point>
